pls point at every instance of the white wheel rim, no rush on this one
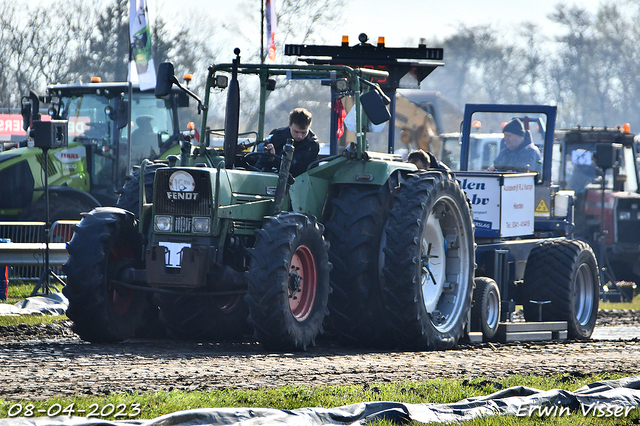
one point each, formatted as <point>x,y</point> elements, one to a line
<point>433,261</point>
<point>492,310</point>
<point>446,233</point>
<point>583,294</point>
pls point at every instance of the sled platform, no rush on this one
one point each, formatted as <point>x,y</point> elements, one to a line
<point>532,331</point>
<point>525,332</point>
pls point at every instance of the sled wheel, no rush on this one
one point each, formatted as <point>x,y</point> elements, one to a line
<point>485,309</point>
<point>565,273</point>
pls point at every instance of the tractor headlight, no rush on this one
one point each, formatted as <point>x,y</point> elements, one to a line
<point>162,223</point>
<point>624,215</point>
<point>201,225</point>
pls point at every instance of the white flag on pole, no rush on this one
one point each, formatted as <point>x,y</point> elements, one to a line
<point>141,66</point>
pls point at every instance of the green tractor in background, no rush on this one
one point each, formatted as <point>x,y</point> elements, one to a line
<point>112,127</point>
<point>370,246</point>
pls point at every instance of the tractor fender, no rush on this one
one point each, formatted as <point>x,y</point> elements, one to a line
<point>372,172</point>
<point>112,213</point>
<point>310,189</point>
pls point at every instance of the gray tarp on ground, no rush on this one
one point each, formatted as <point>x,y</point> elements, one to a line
<point>51,304</point>
<point>600,399</point>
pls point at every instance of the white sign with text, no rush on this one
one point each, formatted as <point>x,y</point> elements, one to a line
<point>500,210</point>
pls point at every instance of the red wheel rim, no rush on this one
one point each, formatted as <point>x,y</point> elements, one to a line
<point>120,301</point>
<point>303,271</point>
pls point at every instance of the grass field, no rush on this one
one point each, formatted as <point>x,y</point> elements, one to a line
<point>291,397</point>
<point>147,406</point>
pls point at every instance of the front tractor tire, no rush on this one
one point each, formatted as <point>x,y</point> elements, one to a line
<point>288,282</point>
<point>565,273</point>
<point>105,241</point>
<point>428,262</point>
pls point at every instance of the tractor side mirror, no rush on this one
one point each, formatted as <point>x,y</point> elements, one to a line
<point>119,114</point>
<point>122,114</point>
<point>608,155</point>
<point>375,108</point>
<point>25,110</point>
<point>29,109</point>
<point>165,79</point>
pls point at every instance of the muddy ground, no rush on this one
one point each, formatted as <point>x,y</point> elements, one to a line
<point>50,360</point>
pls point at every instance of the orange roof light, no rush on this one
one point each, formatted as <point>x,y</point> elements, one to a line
<point>476,123</point>
<point>380,41</point>
<point>187,77</point>
<point>626,128</point>
<point>345,40</point>
<point>96,79</point>
<point>191,125</point>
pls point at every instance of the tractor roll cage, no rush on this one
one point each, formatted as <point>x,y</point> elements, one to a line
<point>357,79</point>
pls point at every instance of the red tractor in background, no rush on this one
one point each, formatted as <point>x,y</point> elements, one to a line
<point>600,165</point>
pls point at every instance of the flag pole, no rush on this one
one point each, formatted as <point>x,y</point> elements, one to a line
<point>262,55</point>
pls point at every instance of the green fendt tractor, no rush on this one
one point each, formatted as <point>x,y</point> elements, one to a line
<point>112,127</point>
<point>363,243</point>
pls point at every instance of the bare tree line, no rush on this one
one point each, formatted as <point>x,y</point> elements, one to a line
<point>78,40</point>
<point>590,71</point>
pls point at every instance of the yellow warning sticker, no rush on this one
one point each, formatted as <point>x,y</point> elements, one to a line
<point>542,207</point>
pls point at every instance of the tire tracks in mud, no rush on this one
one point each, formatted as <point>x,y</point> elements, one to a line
<point>52,361</point>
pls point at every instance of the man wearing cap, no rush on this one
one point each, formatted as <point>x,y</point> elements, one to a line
<point>519,155</point>
<point>144,141</point>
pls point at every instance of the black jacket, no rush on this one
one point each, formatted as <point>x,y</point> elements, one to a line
<point>305,151</point>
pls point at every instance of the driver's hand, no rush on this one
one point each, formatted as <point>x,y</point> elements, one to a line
<point>270,149</point>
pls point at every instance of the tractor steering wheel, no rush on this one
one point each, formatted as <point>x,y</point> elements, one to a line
<point>251,155</point>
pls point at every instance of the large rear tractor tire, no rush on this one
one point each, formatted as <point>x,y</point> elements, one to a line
<point>60,208</point>
<point>129,194</point>
<point>354,230</point>
<point>429,262</point>
<point>203,317</point>
<point>288,282</point>
<point>105,242</point>
<point>485,308</point>
<point>564,272</point>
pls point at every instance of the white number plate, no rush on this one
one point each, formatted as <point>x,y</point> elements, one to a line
<point>173,255</point>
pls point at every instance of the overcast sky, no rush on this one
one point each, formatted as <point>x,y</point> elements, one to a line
<point>402,20</point>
